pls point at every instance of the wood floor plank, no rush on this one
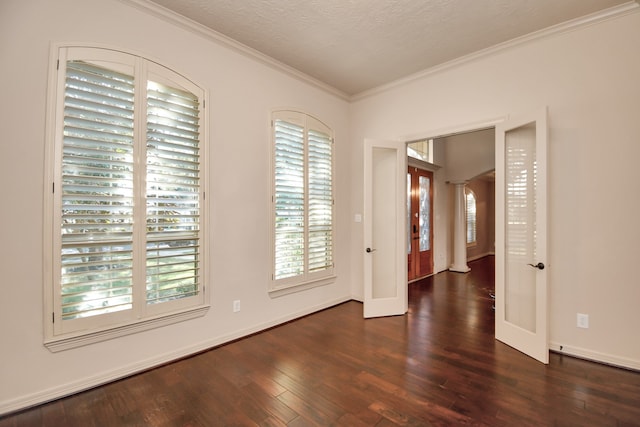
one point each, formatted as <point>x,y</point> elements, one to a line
<point>438,365</point>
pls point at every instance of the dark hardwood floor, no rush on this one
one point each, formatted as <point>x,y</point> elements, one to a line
<point>438,365</point>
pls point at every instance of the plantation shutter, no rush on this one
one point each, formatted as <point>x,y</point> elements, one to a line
<point>127,193</point>
<point>289,199</point>
<point>320,213</point>
<point>303,199</point>
<point>471,217</point>
<point>172,194</point>
<point>97,192</point>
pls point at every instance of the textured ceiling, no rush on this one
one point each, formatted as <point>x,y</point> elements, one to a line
<point>356,45</point>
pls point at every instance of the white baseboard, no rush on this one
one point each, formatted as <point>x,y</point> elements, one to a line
<point>473,258</point>
<point>60,391</point>
<point>595,356</point>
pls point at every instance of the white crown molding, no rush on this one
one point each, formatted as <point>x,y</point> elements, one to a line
<point>185,23</point>
<point>574,24</point>
<point>199,29</point>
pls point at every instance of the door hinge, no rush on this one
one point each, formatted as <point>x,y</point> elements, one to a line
<point>58,64</point>
<point>53,187</point>
<point>53,317</point>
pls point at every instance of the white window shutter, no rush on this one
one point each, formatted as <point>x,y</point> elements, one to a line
<point>172,194</point>
<point>97,192</point>
<point>303,202</point>
<point>289,200</point>
<point>127,170</point>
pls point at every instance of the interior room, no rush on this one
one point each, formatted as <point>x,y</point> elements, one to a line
<point>580,66</point>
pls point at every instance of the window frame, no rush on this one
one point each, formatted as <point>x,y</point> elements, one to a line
<point>58,336</point>
<point>308,279</point>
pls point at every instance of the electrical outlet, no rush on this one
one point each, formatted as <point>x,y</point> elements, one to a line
<point>583,321</point>
<point>236,306</point>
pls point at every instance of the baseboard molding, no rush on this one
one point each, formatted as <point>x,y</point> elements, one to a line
<point>26,401</point>
<point>595,356</point>
<point>477,257</point>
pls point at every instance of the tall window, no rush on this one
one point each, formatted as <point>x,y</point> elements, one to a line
<point>471,217</point>
<point>127,192</point>
<point>302,200</point>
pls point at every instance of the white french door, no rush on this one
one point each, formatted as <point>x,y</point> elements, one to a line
<point>521,234</point>
<point>385,269</point>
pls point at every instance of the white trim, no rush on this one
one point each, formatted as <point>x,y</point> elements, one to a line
<point>489,123</point>
<point>63,390</point>
<point>219,38</point>
<point>574,24</point>
<point>421,164</point>
<point>301,286</point>
<point>595,356</point>
<point>82,338</point>
<point>477,257</point>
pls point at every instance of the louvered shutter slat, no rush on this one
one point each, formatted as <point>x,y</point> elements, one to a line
<point>289,199</point>
<point>97,199</point>
<point>320,201</point>
<point>172,195</point>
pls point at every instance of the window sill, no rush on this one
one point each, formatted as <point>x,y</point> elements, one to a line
<point>276,292</point>
<point>78,340</point>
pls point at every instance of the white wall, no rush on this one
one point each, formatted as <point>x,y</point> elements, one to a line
<point>588,78</point>
<point>242,93</point>
<point>469,155</point>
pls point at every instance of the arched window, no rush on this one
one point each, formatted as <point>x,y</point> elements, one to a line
<point>125,169</point>
<point>302,202</point>
<point>471,216</point>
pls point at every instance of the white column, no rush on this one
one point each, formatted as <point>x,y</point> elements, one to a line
<point>459,231</point>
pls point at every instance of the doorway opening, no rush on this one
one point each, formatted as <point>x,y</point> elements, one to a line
<point>518,152</point>
<point>465,156</point>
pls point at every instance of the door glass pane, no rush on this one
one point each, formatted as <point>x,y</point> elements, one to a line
<point>520,233</point>
<point>384,215</point>
<point>425,210</point>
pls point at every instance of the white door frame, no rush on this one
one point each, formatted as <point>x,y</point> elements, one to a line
<point>446,131</point>
<point>541,353</point>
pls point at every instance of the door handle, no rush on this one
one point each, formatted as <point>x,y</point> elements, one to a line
<point>539,266</point>
<point>369,250</point>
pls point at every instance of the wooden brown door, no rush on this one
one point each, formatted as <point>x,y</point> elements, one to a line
<point>419,223</point>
